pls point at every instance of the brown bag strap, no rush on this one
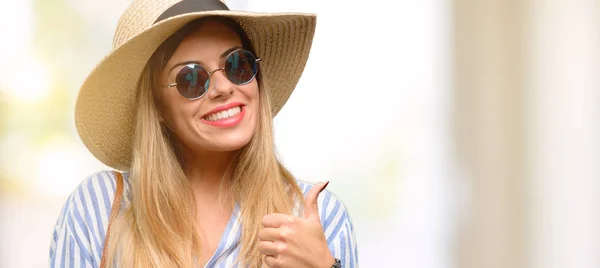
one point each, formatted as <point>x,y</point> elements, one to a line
<point>113,214</point>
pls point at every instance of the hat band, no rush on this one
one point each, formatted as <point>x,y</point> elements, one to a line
<point>190,6</point>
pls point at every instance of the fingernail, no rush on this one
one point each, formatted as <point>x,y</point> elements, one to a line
<point>325,185</point>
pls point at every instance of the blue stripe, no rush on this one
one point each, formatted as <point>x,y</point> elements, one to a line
<point>334,212</point>
<point>128,184</point>
<point>356,254</point>
<point>236,252</point>
<point>52,257</point>
<point>96,206</point>
<point>60,223</point>
<point>80,222</point>
<point>343,250</point>
<point>53,243</point>
<point>107,205</point>
<point>54,236</point>
<point>324,207</point>
<point>232,248</point>
<point>88,218</point>
<point>82,262</point>
<point>77,238</point>
<point>222,262</point>
<point>71,250</point>
<point>337,227</point>
<point>350,244</point>
<point>331,247</point>
<point>62,257</point>
<point>126,179</point>
<point>355,249</point>
<point>305,189</point>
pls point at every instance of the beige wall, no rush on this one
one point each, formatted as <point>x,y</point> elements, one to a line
<point>488,101</point>
<point>527,132</point>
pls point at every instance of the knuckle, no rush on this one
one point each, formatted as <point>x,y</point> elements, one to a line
<point>286,234</point>
<point>282,248</point>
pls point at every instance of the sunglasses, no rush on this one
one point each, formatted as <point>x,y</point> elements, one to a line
<point>192,81</point>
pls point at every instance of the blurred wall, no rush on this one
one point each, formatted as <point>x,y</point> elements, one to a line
<point>563,137</point>
<point>489,131</point>
<point>527,132</point>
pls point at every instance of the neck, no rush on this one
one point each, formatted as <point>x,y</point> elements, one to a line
<point>206,173</point>
<point>206,170</point>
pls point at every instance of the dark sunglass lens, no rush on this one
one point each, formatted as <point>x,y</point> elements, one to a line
<point>192,81</point>
<point>241,67</point>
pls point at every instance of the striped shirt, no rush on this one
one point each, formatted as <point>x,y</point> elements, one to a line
<point>77,240</point>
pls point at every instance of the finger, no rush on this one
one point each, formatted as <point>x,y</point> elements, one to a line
<point>275,220</point>
<point>271,261</point>
<point>269,234</point>
<point>267,248</point>
<point>311,209</point>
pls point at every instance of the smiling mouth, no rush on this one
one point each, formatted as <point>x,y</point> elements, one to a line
<point>223,115</point>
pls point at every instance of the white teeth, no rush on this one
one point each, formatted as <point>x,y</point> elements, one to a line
<point>223,114</point>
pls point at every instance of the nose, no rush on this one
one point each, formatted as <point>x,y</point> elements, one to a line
<point>219,85</point>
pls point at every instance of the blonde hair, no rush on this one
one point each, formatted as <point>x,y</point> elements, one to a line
<point>158,229</point>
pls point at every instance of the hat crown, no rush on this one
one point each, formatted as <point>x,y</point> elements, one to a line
<point>139,16</point>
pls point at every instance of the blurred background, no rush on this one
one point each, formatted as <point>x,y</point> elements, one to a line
<point>458,133</point>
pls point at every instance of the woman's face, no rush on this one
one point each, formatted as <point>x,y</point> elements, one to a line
<point>196,123</point>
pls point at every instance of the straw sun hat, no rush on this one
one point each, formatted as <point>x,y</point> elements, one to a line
<point>106,105</point>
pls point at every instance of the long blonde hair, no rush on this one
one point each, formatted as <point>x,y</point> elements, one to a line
<point>157,229</point>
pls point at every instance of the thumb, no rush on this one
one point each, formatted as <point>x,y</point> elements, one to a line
<point>311,209</point>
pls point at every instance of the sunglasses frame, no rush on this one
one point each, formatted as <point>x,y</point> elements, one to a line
<point>257,60</point>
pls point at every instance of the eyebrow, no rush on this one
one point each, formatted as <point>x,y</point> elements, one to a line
<point>224,54</point>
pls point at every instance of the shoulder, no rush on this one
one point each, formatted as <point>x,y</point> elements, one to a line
<point>83,221</point>
<point>95,194</point>
<point>92,199</point>
<point>332,211</point>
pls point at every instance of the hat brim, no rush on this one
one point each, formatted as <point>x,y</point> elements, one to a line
<point>105,109</point>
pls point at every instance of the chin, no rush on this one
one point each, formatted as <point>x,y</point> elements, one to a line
<point>229,147</point>
<point>225,144</point>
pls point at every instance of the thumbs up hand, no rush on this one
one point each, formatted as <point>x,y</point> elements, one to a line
<point>287,241</point>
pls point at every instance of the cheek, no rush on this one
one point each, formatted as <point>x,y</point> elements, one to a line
<point>164,105</point>
<point>175,110</point>
<point>252,92</point>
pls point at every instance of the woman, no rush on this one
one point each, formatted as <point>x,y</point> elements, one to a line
<point>183,105</point>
